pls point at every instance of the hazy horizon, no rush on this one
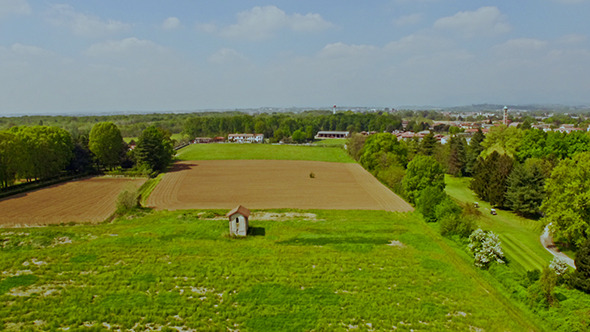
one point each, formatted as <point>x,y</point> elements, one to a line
<point>152,56</point>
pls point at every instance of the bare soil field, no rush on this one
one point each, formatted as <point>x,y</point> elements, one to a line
<point>86,200</point>
<point>268,184</point>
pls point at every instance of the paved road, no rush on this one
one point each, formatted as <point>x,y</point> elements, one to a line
<point>547,242</point>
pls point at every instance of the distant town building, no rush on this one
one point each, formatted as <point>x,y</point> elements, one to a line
<point>246,138</point>
<point>198,140</point>
<point>332,134</point>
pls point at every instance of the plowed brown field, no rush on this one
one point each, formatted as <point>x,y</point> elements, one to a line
<point>265,184</point>
<point>87,200</point>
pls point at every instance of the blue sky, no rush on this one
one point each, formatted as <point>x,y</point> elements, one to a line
<point>100,56</point>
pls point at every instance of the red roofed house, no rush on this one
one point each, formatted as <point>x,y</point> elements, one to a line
<point>238,221</point>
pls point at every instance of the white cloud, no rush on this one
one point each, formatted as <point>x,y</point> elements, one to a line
<point>14,7</point>
<point>339,50</point>
<point>521,45</point>
<point>83,24</point>
<point>261,23</point>
<point>571,1</point>
<point>227,56</point>
<point>308,22</point>
<point>484,21</point>
<point>125,47</point>
<point>573,39</point>
<point>28,50</point>
<point>418,43</point>
<point>408,20</point>
<point>171,23</point>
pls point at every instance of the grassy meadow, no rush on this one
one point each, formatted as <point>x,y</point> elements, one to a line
<point>236,151</point>
<point>339,270</point>
<point>323,270</point>
<point>519,236</point>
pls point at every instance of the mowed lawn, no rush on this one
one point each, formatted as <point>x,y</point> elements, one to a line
<point>235,151</point>
<point>325,270</point>
<point>519,236</point>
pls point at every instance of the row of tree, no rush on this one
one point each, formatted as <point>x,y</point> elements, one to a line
<point>298,126</point>
<point>30,153</point>
<point>43,152</point>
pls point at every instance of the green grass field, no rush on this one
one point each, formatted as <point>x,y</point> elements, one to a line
<point>336,142</point>
<point>519,236</point>
<point>339,271</point>
<point>230,151</point>
<point>176,269</point>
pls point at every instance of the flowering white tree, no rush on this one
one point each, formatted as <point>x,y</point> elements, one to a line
<point>559,266</point>
<point>485,246</point>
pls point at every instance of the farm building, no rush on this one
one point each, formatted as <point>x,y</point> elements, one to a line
<point>200,140</point>
<point>238,221</point>
<point>246,138</point>
<point>332,134</point>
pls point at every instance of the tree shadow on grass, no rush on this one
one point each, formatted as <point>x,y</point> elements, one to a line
<point>178,167</point>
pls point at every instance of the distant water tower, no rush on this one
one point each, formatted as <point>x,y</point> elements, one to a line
<point>506,115</point>
<point>334,111</point>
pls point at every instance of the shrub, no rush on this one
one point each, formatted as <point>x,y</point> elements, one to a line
<point>454,224</point>
<point>392,177</point>
<point>548,281</point>
<point>485,246</point>
<point>127,201</point>
<point>469,210</point>
<point>533,275</point>
<point>559,266</point>
<point>428,201</point>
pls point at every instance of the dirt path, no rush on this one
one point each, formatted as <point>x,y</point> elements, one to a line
<point>547,242</point>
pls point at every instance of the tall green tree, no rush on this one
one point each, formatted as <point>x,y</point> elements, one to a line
<point>427,201</point>
<point>106,143</point>
<point>567,206</point>
<point>154,149</point>
<point>354,145</point>
<point>526,187</point>
<point>422,172</point>
<point>9,158</point>
<point>44,151</point>
<point>504,140</point>
<point>581,278</point>
<point>473,151</point>
<point>576,142</point>
<point>381,151</point>
<point>533,145</point>
<point>457,156</point>
<point>490,176</point>
<point>428,145</point>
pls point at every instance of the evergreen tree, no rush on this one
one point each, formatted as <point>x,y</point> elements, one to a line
<point>489,180</point>
<point>525,188</point>
<point>428,145</point>
<point>457,156</point>
<point>581,278</point>
<point>473,152</point>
